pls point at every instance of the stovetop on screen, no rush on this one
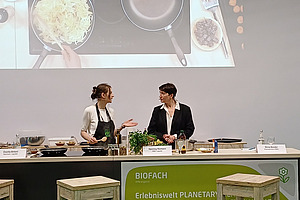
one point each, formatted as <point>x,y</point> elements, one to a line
<point>115,34</point>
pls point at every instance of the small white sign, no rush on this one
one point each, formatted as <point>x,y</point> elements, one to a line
<point>12,153</point>
<point>157,150</point>
<point>271,148</point>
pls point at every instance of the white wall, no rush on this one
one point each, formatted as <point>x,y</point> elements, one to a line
<point>232,102</point>
<point>261,92</point>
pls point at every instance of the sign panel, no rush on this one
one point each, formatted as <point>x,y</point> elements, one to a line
<point>271,148</point>
<point>12,153</point>
<point>157,150</point>
<point>197,179</point>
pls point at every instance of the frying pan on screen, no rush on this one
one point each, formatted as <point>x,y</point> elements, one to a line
<point>155,15</point>
<point>44,23</point>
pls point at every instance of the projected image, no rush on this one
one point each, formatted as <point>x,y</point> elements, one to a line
<point>54,34</point>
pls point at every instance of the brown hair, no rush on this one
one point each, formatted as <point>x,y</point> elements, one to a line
<point>98,90</point>
<point>169,88</point>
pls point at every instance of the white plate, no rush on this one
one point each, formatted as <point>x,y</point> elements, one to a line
<point>211,23</point>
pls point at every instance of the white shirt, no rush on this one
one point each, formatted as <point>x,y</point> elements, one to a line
<point>168,116</point>
<point>90,118</point>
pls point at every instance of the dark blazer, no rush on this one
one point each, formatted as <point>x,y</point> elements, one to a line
<point>182,120</point>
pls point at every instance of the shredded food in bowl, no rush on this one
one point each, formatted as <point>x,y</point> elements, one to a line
<point>67,20</point>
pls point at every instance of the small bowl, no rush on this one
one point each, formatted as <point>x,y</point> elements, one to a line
<point>33,151</point>
<point>60,143</point>
<point>207,33</point>
<point>205,150</point>
<point>71,143</point>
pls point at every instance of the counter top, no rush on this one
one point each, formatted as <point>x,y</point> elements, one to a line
<point>191,155</point>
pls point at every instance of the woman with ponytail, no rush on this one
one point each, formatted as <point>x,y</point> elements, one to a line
<point>98,119</point>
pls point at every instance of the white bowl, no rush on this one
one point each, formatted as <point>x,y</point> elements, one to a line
<point>207,33</point>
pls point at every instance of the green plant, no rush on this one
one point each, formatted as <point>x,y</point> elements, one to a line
<point>138,139</point>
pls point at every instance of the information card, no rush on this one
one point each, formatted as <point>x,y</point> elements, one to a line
<point>157,150</point>
<point>12,153</point>
<point>271,148</point>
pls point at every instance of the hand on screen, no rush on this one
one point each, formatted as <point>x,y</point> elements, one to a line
<point>71,58</point>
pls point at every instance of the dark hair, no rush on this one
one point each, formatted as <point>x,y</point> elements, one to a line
<point>101,88</point>
<point>168,88</point>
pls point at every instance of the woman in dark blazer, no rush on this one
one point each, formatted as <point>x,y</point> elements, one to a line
<point>171,117</point>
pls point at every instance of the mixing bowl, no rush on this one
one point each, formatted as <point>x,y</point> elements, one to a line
<point>35,140</point>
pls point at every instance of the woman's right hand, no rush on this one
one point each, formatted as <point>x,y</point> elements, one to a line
<point>72,60</point>
<point>92,140</point>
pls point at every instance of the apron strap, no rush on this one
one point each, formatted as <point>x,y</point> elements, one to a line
<point>98,113</point>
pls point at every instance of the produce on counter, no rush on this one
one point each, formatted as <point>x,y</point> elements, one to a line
<point>138,139</point>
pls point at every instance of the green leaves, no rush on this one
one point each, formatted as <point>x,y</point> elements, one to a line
<point>138,139</point>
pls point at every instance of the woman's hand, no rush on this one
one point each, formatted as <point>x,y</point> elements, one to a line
<point>169,138</point>
<point>92,140</point>
<point>129,123</point>
<point>71,58</point>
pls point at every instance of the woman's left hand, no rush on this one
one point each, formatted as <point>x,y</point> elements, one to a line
<point>129,123</point>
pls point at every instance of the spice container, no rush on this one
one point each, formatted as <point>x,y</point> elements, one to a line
<point>123,151</point>
<point>113,150</point>
<point>123,146</point>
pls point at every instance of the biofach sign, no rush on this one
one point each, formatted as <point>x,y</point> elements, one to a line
<point>197,179</point>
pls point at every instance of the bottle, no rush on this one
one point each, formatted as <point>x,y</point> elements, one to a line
<point>182,135</point>
<point>18,144</point>
<point>118,137</point>
<point>261,139</point>
<point>181,141</point>
<point>215,146</point>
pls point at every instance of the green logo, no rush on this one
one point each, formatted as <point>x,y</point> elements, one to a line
<point>282,173</point>
<point>107,133</point>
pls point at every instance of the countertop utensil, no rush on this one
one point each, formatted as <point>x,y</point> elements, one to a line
<point>226,140</point>
<point>212,6</point>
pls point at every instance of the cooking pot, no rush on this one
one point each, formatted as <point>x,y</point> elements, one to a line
<point>156,15</point>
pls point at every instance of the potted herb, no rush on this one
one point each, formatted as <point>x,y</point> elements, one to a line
<point>138,139</point>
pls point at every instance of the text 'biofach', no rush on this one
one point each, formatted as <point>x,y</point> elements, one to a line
<point>151,175</point>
